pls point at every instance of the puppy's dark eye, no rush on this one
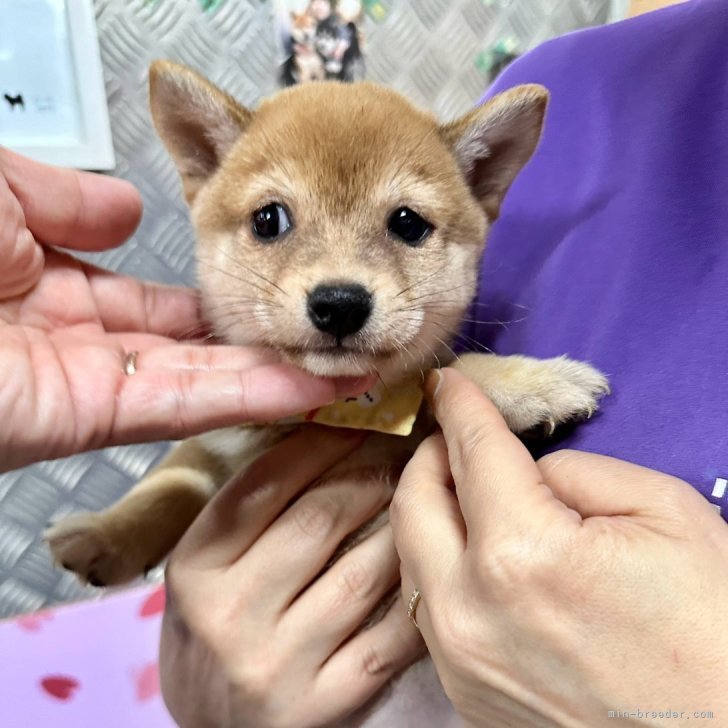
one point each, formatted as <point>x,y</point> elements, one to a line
<point>407,225</point>
<point>270,222</point>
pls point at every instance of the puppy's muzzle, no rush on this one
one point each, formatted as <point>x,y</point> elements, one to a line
<point>340,310</point>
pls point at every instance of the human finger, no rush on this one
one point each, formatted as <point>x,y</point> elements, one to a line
<point>345,595</point>
<point>148,307</point>
<point>171,403</point>
<point>200,358</point>
<point>246,506</point>
<point>154,354</point>
<point>72,209</point>
<point>309,533</point>
<point>429,531</point>
<point>22,257</point>
<point>497,481</point>
<point>370,660</point>
<point>598,485</point>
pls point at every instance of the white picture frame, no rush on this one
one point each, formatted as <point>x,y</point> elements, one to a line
<point>52,98</point>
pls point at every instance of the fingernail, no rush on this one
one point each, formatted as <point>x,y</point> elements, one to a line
<point>433,383</point>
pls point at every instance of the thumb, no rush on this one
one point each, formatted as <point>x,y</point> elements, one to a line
<point>597,485</point>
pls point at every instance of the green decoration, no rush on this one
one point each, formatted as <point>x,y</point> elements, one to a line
<point>375,10</point>
<point>210,6</point>
<point>497,57</point>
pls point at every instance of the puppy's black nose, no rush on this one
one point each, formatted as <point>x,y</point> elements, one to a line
<point>339,310</point>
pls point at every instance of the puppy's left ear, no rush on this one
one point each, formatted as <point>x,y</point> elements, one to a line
<point>494,141</point>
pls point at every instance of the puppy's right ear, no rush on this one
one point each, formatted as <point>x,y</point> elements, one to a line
<point>197,122</point>
<point>495,140</point>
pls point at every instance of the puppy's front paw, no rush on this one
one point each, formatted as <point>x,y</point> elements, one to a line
<point>85,544</point>
<point>534,394</point>
<point>555,391</point>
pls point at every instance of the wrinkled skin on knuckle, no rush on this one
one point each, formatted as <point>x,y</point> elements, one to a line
<point>374,663</point>
<point>505,571</point>
<point>253,677</point>
<point>181,390</point>
<point>356,584</point>
<point>316,515</point>
<point>245,393</point>
<point>260,681</point>
<point>190,359</point>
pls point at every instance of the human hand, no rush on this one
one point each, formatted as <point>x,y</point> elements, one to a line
<point>254,633</point>
<point>557,591</point>
<point>66,327</point>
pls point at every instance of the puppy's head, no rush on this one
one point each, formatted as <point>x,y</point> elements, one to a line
<point>337,223</point>
<point>303,28</point>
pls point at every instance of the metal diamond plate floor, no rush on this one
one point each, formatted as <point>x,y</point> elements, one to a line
<point>429,49</point>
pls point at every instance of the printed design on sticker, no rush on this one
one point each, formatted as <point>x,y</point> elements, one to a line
<point>382,409</point>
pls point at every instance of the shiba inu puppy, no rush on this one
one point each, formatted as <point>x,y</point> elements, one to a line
<point>341,227</point>
<point>307,61</point>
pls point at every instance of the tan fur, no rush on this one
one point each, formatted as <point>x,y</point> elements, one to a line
<point>335,191</point>
<point>341,159</point>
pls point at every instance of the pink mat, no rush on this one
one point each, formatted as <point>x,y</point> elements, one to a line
<point>85,665</point>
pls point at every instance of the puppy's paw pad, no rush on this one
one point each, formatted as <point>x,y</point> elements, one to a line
<point>82,544</point>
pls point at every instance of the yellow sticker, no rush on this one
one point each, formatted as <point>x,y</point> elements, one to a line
<point>392,411</point>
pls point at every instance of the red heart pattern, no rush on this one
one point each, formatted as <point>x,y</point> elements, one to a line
<point>74,687</point>
<point>154,603</point>
<point>33,622</point>
<point>60,687</point>
<point>147,682</point>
